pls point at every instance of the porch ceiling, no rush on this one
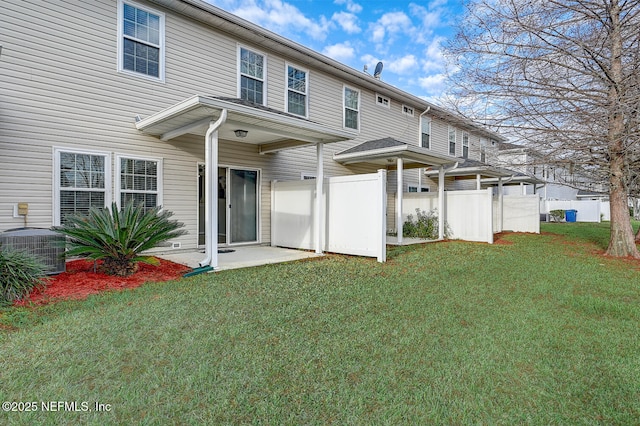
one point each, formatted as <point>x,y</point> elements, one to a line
<point>272,130</point>
<point>385,151</point>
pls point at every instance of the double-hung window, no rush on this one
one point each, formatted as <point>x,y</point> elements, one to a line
<point>141,40</point>
<point>82,181</point>
<point>351,108</point>
<point>465,145</point>
<point>452,140</point>
<point>140,181</point>
<point>425,132</point>
<point>297,88</point>
<point>252,76</point>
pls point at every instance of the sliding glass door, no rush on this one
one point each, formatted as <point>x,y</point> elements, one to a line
<point>244,206</point>
<point>237,205</point>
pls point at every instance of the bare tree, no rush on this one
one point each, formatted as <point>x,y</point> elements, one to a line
<point>563,76</point>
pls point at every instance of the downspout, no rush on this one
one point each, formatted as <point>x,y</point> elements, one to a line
<point>211,191</point>
<point>441,211</point>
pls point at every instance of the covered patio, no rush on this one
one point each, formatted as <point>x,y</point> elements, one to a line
<point>236,120</point>
<point>391,154</point>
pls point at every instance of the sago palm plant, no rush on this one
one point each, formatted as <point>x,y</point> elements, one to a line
<point>118,237</point>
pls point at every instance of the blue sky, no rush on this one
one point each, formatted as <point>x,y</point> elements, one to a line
<point>405,35</point>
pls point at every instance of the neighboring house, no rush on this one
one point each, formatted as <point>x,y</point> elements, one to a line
<point>117,100</point>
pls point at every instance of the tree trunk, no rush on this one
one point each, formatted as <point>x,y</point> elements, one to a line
<point>622,242</point>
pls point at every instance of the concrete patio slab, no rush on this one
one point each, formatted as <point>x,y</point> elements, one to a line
<point>240,256</point>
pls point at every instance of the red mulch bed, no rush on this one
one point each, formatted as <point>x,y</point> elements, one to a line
<point>80,281</point>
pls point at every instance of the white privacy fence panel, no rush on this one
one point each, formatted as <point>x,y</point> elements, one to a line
<point>293,214</point>
<point>605,210</point>
<point>520,213</point>
<point>424,201</point>
<point>354,216</point>
<point>467,213</point>
<point>587,210</point>
<point>470,214</point>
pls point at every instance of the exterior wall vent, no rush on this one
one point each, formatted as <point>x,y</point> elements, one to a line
<point>49,246</point>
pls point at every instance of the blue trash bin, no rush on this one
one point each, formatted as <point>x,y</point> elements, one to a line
<point>570,215</point>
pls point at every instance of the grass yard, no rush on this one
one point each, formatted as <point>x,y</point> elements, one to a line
<point>535,329</point>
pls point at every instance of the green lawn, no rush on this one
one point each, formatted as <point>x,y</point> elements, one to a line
<point>538,331</point>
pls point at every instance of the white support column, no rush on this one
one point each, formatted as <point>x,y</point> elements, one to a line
<point>500,205</point>
<point>523,189</point>
<point>478,186</point>
<point>399,200</point>
<point>441,203</point>
<point>319,187</point>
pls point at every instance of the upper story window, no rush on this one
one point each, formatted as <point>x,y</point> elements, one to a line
<point>252,76</point>
<point>452,140</point>
<point>351,108</point>
<point>297,88</point>
<point>425,132</point>
<point>407,110</point>
<point>483,150</point>
<point>141,40</point>
<point>465,145</point>
<point>383,101</point>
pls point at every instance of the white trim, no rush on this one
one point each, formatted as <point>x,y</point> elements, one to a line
<point>159,176</point>
<point>407,110</point>
<point>57,150</point>
<point>264,71</point>
<point>380,101</point>
<point>344,107</point>
<point>161,45</point>
<point>287,88</point>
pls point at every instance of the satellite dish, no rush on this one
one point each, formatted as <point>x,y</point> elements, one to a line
<point>378,70</point>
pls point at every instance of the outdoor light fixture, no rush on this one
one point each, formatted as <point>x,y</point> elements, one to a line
<point>241,133</point>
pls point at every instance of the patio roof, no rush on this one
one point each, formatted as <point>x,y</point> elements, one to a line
<point>272,130</point>
<point>384,151</point>
<point>515,179</point>
<point>472,168</point>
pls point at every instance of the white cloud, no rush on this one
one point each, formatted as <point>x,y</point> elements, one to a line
<point>340,52</point>
<point>403,65</point>
<point>390,24</point>
<point>278,16</point>
<point>434,60</point>
<point>433,84</point>
<point>351,5</point>
<point>348,22</point>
